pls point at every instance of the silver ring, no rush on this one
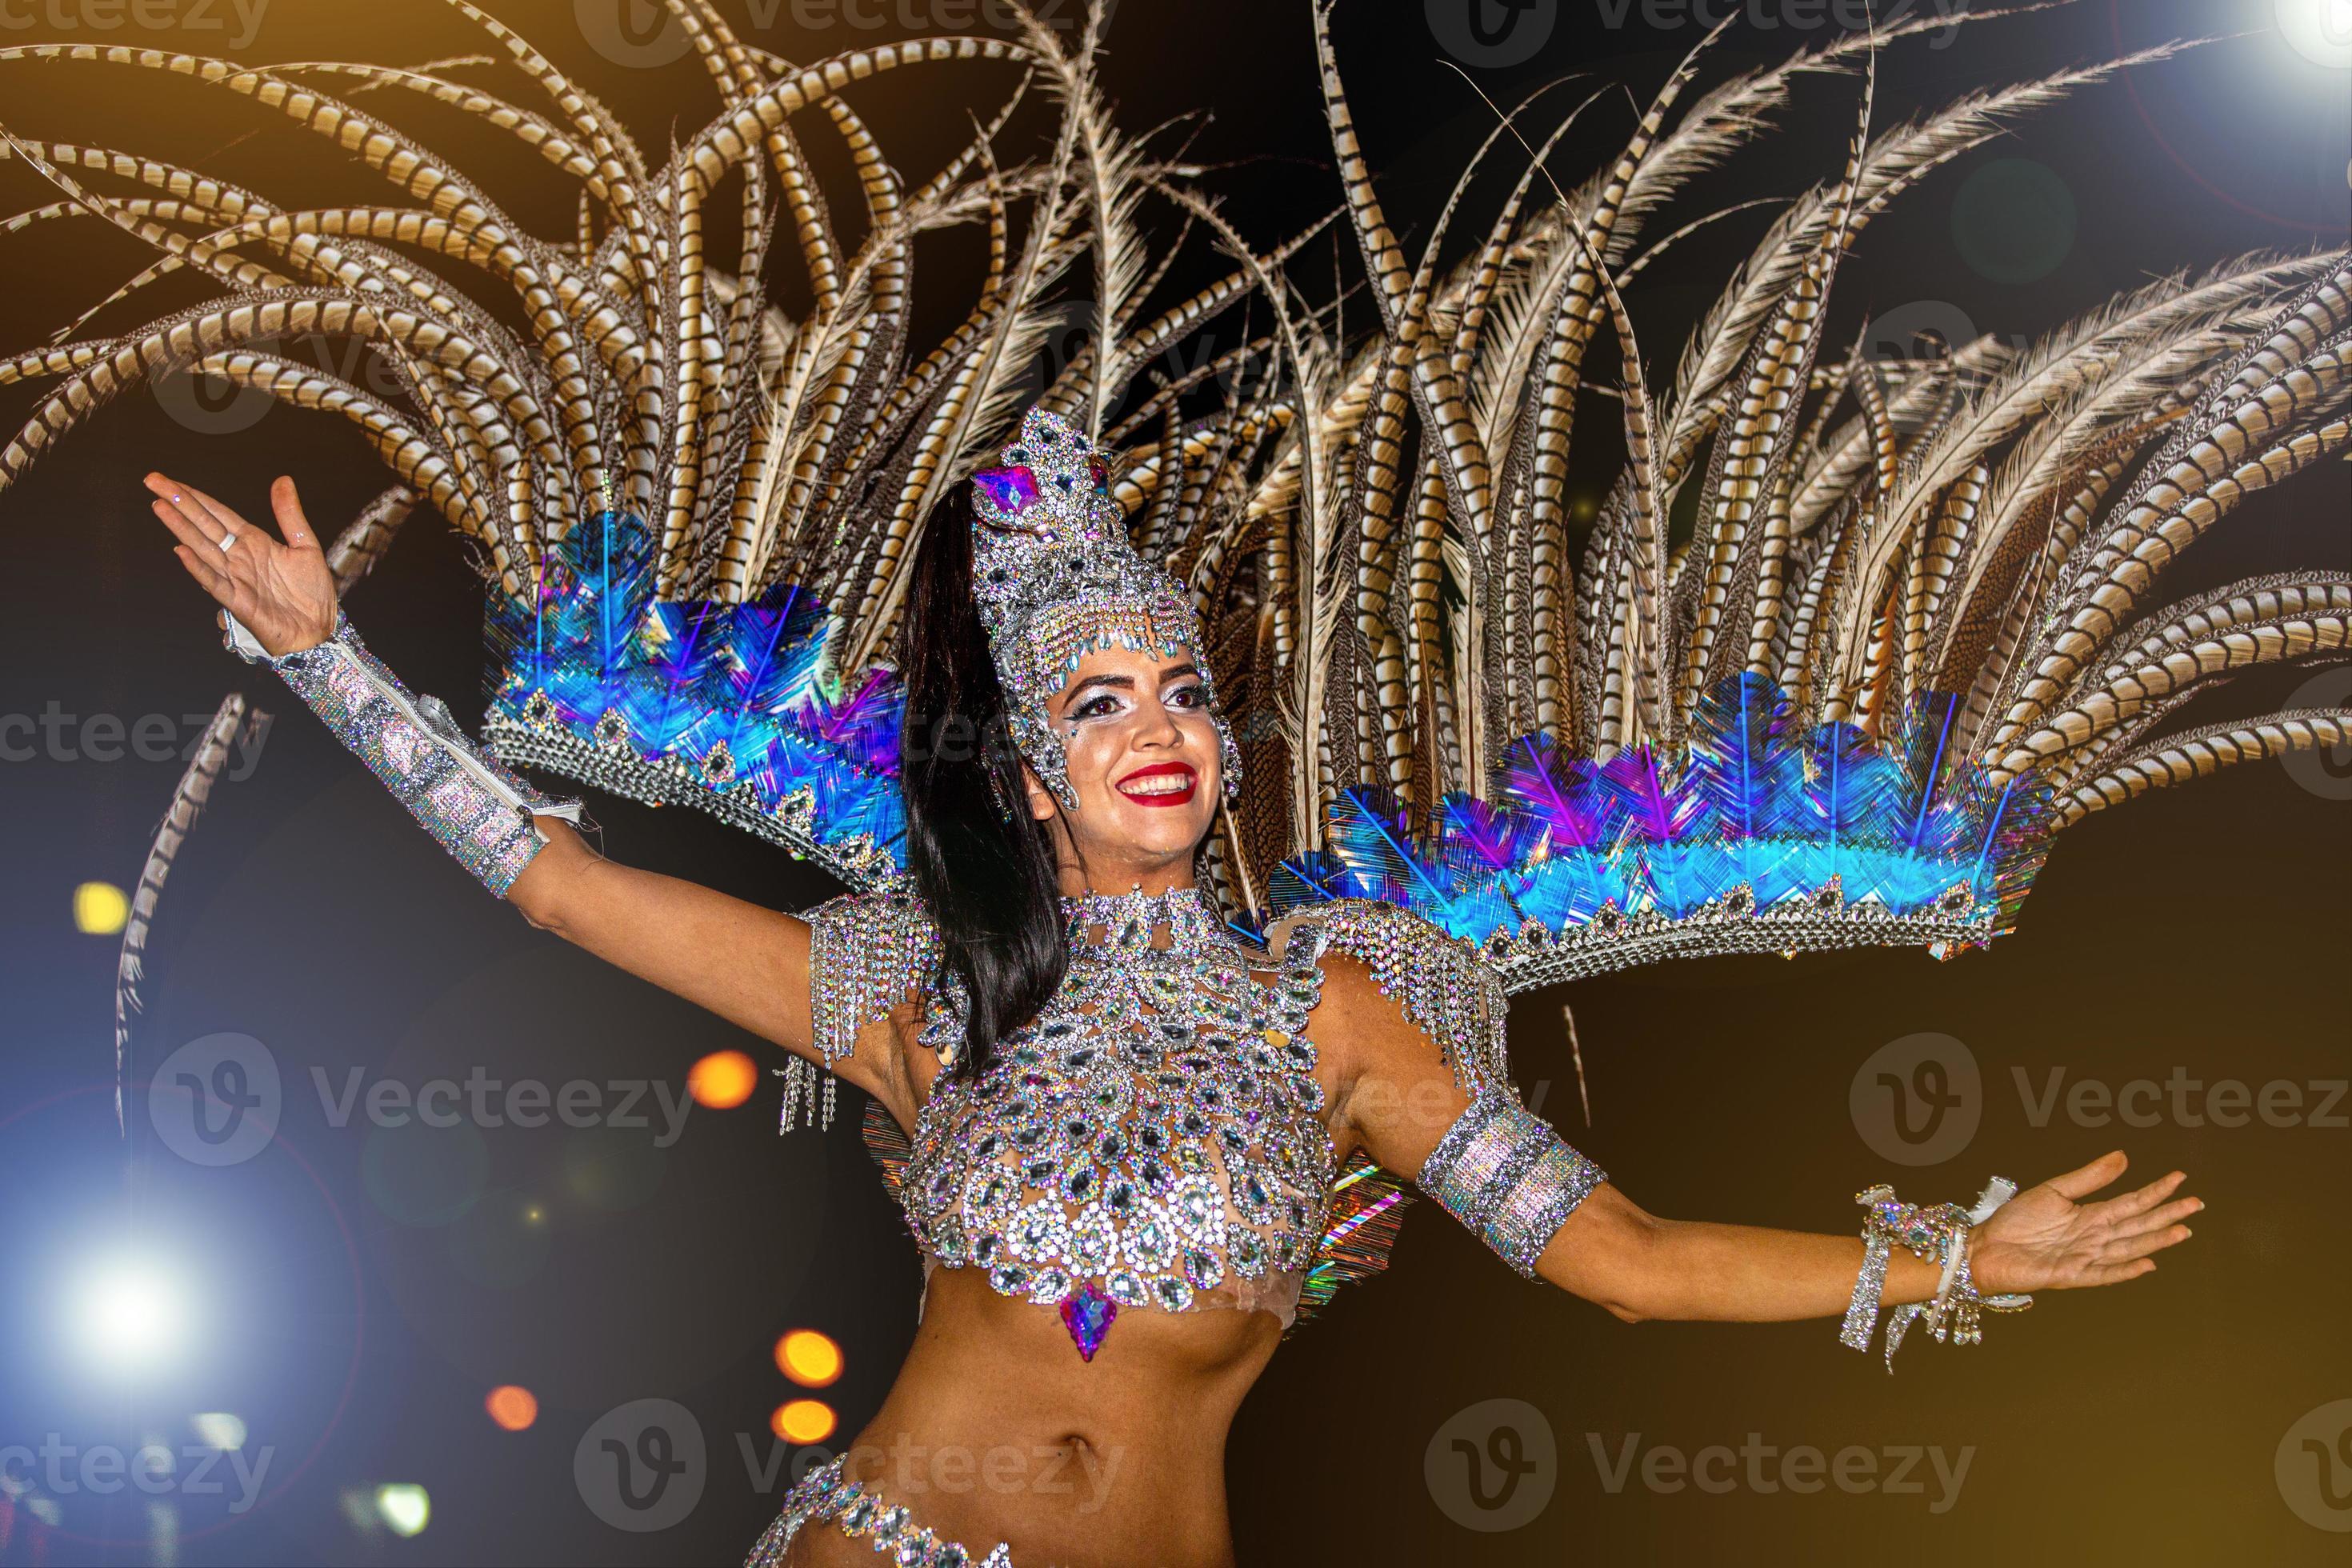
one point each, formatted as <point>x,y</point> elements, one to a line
<point>227,540</point>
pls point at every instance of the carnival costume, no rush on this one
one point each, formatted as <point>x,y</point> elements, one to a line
<point>1469,740</point>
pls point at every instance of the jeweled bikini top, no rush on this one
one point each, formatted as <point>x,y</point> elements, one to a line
<point>1153,1138</point>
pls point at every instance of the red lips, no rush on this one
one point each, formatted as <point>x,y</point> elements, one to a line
<point>1159,771</point>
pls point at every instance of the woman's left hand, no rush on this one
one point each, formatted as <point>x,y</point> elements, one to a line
<point>2045,1238</point>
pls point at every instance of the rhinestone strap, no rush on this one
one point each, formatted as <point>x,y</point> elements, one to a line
<point>823,1493</point>
<point>866,950</point>
<point>479,809</point>
<point>1502,1171</point>
<point>1442,981</point>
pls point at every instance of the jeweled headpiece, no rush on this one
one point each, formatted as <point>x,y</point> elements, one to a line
<point>1057,579</point>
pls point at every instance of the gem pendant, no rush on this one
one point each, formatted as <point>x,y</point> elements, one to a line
<point>1088,1313</point>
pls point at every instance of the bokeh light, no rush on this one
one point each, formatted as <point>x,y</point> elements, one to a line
<point>404,1507</point>
<point>130,1312</point>
<point>513,1407</point>
<point>219,1429</point>
<point>803,1420</point>
<point>723,1079</point>
<point>100,908</point>
<point>809,1358</point>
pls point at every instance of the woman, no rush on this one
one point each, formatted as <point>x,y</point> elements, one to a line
<point>1122,1117</point>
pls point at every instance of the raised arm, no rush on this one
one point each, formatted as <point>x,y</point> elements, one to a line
<point>750,964</point>
<point>1399,1096</point>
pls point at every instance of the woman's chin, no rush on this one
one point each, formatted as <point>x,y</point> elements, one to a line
<point>1156,832</point>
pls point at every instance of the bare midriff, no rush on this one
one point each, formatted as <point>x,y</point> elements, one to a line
<point>997,1430</point>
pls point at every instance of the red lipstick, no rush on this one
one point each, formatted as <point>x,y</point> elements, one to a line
<point>1161,797</point>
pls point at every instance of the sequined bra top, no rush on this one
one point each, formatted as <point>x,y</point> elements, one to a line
<point>1154,1138</point>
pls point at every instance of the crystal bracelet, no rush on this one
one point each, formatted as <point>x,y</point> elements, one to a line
<point>480,810</point>
<point>1938,1235</point>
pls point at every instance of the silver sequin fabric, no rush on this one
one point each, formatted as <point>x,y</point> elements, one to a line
<point>447,782</point>
<point>1156,1132</point>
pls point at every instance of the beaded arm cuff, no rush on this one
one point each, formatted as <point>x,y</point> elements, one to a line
<point>1503,1172</point>
<point>479,809</point>
<point>866,950</point>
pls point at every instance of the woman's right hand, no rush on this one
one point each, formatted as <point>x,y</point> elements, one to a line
<point>284,593</point>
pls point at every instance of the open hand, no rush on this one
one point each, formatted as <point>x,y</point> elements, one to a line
<point>2045,1239</point>
<point>284,593</point>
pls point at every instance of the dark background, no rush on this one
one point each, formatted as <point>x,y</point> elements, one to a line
<point>362,1290</point>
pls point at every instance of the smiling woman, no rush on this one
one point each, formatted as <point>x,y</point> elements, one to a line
<point>1156,1054</point>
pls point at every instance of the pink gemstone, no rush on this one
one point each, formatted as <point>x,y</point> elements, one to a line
<point>1011,491</point>
<point>1087,1314</point>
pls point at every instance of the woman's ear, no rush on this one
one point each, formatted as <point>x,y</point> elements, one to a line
<point>1041,799</point>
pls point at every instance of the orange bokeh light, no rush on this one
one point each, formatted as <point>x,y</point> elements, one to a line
<point>511,1406</point>
<point>809,1358</point>
<point>803,1420</point>
<point>722,1080</point>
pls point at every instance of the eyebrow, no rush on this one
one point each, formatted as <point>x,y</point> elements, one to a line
<point>1127,682</point>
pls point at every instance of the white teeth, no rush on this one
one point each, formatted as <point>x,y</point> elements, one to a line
<point>1164,784</point>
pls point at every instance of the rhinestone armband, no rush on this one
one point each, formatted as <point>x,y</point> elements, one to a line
<point>1503,1172</point>
<point>479,809</point>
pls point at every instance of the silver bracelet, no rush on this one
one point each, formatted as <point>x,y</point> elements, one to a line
<point>1938,1235</point>
<point>1503,1172</point>
<point>479,809</point>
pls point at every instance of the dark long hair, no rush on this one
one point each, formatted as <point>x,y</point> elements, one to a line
<point>990,881</point>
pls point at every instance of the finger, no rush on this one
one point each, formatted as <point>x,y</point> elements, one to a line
<point>228,516</point>
<point>2124,1205</point>
<point>2141,1246</point>
<point>287,505</point>
<point>2088,1179</point>
<point>187,533</point>
<point>211,579</point>
<point>2116,1273</point>
<point>184,502</point>
<point>2156,1219</point>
